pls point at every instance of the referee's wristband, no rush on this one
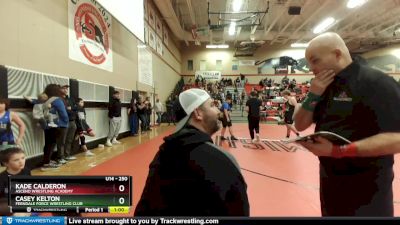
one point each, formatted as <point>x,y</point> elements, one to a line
<point>341,151</point>
<point>310,101</point>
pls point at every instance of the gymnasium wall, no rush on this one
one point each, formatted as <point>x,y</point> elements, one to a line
<point>35,37</point>
<point>385,59</point>
<point>253,73</point>
<point>22,82</point>
<point>35,50</point>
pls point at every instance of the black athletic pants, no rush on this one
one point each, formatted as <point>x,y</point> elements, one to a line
<point>254,124</point>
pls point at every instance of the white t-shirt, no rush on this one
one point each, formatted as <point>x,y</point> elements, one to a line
<point>158,107</point>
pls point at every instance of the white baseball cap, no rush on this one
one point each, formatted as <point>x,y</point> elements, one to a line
<point>189,101</point>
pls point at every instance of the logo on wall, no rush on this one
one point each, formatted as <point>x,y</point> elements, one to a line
<point>89,34</point>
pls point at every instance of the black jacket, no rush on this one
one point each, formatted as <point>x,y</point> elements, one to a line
<point>114,108</point>
<point>71,113</point>
<point>190,176</point>
<point>4,189</point>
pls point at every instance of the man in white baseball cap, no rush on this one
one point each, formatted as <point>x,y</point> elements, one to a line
<point>190,176</point>
<point>190,102</point>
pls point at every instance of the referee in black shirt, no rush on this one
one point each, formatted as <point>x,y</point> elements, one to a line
<point>360,104</point>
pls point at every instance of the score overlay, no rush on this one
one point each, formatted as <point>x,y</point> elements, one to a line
<point>108,194</point>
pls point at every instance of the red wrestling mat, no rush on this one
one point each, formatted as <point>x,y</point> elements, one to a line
<point>282,179</point>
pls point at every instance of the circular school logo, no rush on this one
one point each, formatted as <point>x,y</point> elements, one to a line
<point>91,33</point>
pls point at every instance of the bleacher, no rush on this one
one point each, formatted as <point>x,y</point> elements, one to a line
<point>249,87</point>
<point>274,106</point>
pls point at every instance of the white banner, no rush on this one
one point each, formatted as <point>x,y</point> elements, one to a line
<point>145,64</point>
<point>208,75</point>
<point>246,62</point>
<point>89,34</point>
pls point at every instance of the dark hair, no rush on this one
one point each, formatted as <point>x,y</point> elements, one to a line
<point>253,93</point>
<point>52,90</point>
<point>79,99</point>
<point>6,102</point>
<point>285,92</point>
<point>115,92</point>
<point>6,154</point>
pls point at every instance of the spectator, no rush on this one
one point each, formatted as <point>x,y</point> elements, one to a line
<point>114,115</point>
<point>141,107</point>
<point>133,117</point>
<point>14,160</point>
<point>159,110</point>
<point>170,111</point>
<point>149,110</point>
<point>54,135</point>
<point>83,127</point>
<point>6,119</point>
<point>71,130</point>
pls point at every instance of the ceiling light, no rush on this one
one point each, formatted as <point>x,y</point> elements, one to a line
<point>355,3</point>
<point>223,46</point>
<point>217,46</point>
<point>141,46</point>
<point>232,28</point>
<point>324,25</point>
<point>236,5</point>
<point>299,45</point>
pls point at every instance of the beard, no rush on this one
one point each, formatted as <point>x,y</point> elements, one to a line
<point>213,125</point>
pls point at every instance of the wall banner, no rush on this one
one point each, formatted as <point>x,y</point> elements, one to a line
<point>89,34</point>
<point>208,75</point>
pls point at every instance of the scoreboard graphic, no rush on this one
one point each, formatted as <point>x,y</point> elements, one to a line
<point>88,194</point>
